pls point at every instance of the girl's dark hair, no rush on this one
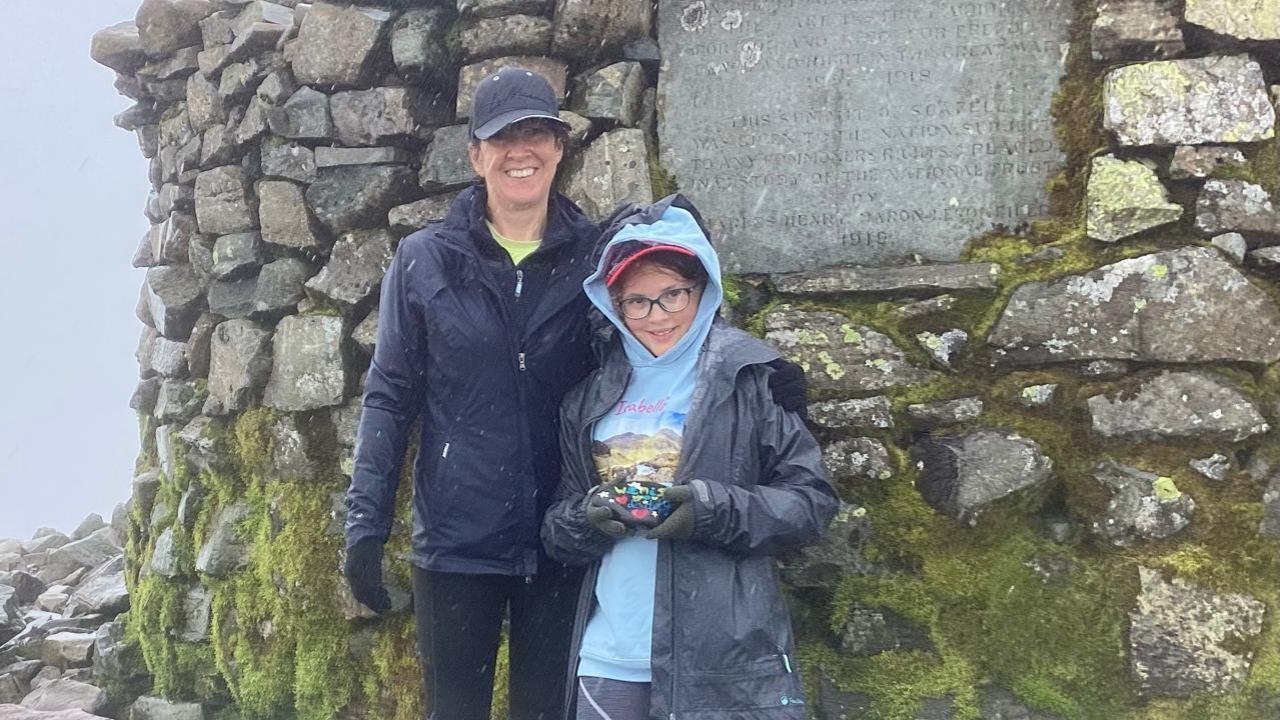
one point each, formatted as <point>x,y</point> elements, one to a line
<point>686,266</point>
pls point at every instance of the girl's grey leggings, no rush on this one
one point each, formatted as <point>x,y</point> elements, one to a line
<point>605,699</point>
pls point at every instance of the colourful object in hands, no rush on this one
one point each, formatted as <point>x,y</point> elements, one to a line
<point>637,503</point>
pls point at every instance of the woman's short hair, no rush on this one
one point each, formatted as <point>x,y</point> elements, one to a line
<point>559,130</point>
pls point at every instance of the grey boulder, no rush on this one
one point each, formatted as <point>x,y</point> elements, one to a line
<point>359,196</point>
<point>928,279</point>
<point>857,459</point>
<point>67,649</point>
<point>101,592</point>
<point>174,297</point>
<point>359,260</point>
<point>304,116</point>
<point>477,38</point>
<point>1143,505</point>
<point>446,164</point>
<point>867,413</point>
<point>1270,524</point>
<point>119,47</point>
<point>308,371</point>
<point>1153,308</point>
<point>1170,656</point>
<point>1178,405</point>
<point>1235,205</point>
<point>91,551</point>
<point>1215,99</point>
<point>382,114</point>
<point>338,45</point>
<point>612,171</point>
<point>224,551</point>
<point>611,94</point>
<point>240,363</point>
<point>417,43</point>
<point>155,708</point>
<point>837,355</point>
<point>962,475</point>
<point>470,76</point>
<point>66,695</point>
<point>165,26</point>
<point>1135,30</point>
<point>285,217</point>
<point>237,255</point>
<point>594,27</point>
<point>224,201</point>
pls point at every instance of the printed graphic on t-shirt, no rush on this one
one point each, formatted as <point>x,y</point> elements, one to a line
<point>638,451</point>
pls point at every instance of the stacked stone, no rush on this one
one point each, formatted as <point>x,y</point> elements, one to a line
<point>63,651</point>
<point>1147,336</point>
<point>291,146</point>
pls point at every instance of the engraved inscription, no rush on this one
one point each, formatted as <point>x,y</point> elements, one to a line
<point>816,132</point>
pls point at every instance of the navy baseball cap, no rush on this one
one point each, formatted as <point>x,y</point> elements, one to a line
<point>510,95</point>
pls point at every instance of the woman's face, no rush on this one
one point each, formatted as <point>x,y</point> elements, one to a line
<point>518,165</point>
<point>661,330</point>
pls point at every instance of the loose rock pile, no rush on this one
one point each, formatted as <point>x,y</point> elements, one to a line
<point>64,649</point>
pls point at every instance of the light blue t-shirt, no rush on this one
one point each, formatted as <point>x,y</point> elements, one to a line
<point>644,434</point>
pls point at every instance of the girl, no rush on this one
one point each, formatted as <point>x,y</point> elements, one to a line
<point>684,620</point>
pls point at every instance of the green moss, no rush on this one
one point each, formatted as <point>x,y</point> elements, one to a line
<point>323,306</point>
<point>395,685</point>
<point>732,289</point>
<point>252,438</point>
<point>661,182</point>
<point>1077,112</point>
<point>898,683</point>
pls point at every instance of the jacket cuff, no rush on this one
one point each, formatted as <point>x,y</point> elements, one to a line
<point>704,507</point>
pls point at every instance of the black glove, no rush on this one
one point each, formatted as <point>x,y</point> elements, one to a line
<point>600,514</point>
<point>679,524</point>
<point>363,569</point>
<point>788,386</point>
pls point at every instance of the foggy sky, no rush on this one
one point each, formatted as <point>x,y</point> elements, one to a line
<point>72,189</point>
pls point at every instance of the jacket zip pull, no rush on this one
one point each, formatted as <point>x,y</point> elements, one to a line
<point>528,579</point>
<point>519,283</point>
<point>520,357</point>
<point>786,663</point>
<point>445,452</point>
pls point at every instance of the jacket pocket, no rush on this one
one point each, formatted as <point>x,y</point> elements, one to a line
<point>768,684</point>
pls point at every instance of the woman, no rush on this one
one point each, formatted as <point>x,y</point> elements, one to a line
<point>482,328</point>
<point>684,620</point>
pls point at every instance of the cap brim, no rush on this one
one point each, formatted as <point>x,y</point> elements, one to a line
<point>494,126</point>
<point>617,271</point>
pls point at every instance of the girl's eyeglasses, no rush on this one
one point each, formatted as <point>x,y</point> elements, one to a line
<point>638,307</point>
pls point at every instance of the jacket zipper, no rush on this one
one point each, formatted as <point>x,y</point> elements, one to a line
<point>520,355</point>
<point>514,333</point>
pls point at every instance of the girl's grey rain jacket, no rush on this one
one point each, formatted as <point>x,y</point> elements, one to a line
<point>722,640</point>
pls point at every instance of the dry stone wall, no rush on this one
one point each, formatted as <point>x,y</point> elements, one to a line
<point>1057,453</point>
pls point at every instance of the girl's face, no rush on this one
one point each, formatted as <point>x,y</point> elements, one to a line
<point>661,329</point>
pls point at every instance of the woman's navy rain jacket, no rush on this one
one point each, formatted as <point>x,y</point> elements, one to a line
<point>482,352</point>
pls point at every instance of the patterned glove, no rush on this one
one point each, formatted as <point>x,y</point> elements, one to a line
<point>679,524</point>
<point>600,513</point>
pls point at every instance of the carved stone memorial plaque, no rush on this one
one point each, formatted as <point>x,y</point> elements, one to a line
<point>821,132</point>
